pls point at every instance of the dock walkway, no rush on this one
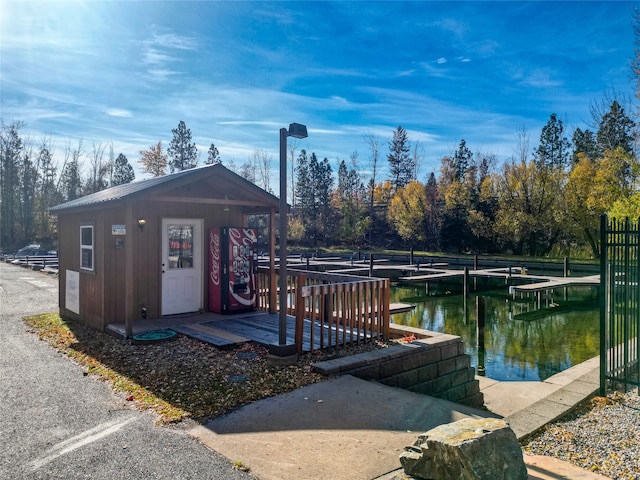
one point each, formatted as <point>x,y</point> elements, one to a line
<point>542,282</point>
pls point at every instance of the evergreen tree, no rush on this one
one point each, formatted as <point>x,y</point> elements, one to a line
<point>615,130</point>
<point>122,171</point>
<point>47,194</point>
<point>401,165</point>
<point>11,149</point>
<point>154,160</point>
<point>213,156</point>
<point>433,220</point>
<point>182,153</point>
<point>70,178</point>
<point>27,203</point>
<point>462,160</point>
<point>313,192</point>
<point>553,151</point>
<point>584,142</point>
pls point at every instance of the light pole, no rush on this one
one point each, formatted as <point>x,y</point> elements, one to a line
<point>296,131</point>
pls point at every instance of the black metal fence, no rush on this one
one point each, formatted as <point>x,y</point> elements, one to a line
<point>620,303</point>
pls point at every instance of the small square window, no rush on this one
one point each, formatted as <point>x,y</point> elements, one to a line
<point>86,247</point>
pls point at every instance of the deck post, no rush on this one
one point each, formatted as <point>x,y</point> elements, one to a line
<point>273,284</point>
<point>371,264</point>
<point>301,280</point>
<point>386,306</point>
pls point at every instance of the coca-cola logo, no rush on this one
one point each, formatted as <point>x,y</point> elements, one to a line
<point>214,251</point>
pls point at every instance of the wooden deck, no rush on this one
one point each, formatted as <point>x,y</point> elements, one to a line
<point>230,330</point>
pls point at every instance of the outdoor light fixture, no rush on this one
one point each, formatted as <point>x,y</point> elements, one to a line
<point>226,207</point>
<point>141,223</point>
<point>296,131</point>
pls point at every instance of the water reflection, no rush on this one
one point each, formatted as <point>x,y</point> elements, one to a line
<point>521,342</point>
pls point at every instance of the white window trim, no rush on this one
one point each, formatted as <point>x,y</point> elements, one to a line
<point>88,247</point>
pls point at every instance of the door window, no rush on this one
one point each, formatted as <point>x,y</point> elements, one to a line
<point>180,238</point>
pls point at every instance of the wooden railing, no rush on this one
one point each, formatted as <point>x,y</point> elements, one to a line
<point>331,310</point>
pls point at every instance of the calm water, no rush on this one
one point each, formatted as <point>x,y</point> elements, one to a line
<point>522,342</point>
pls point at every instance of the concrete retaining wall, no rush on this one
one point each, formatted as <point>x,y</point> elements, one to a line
<point>435,366</point>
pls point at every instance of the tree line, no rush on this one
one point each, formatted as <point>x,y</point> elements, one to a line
<point>542,200</point>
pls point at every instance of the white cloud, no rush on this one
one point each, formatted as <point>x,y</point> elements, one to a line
<point>118,112</point>
<point>441,60</point>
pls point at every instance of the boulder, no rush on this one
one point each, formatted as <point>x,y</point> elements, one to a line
<point>469,449</point>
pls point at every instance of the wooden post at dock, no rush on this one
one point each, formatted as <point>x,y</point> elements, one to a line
<point>465,283</point>
<point>411,256</point>
<point>480,321</point>
<point>465,286</point>
<point>566,274</point>
<point>371,264</point>
<point>475,268</point>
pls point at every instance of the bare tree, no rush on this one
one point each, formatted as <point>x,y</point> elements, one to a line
<point>261,162</point>
<point>70,182</point>
<point>374,146</point>
<point>99,170</point>
<point>417,154</point>
<point>521,150</point>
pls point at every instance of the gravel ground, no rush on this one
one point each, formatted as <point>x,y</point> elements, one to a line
<point>602,435</point>
<point>185,378</point>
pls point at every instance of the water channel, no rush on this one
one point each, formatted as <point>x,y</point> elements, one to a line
<point>522,341</point>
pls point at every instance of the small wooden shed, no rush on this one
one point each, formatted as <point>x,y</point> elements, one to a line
<point>114,245</point>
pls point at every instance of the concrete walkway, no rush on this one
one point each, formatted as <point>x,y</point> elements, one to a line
<point>348,428</point>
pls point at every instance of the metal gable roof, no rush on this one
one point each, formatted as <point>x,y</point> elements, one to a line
<point>121,192</point>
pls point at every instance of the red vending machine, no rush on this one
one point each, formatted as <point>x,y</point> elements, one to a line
<point>232,281</point>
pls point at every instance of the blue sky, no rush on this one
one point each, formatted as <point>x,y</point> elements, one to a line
<point>236,72</point>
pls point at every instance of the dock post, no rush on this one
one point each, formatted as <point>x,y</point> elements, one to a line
<point>411,256</point>
<point>480,321</point>
<point>465,287</point>
<point>307,263</point>
<point>371,265</point>
<point>475,268</point>
<point>566,274</point>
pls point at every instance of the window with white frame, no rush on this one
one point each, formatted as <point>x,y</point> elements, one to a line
<point>86,247</point>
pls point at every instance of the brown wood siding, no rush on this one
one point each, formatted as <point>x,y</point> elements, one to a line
<point>114,271</point>
<point>90,297</point>
<point>115,290</point>
<point>149,258</point>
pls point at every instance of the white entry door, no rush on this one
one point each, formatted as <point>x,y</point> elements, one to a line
<point>182,265</point>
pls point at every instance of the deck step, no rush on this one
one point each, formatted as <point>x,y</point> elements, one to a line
<point>215,336</point>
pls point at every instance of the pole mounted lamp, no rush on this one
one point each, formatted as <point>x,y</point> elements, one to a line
<point>296,131</point>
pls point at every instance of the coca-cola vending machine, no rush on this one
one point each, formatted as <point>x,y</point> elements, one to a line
<point>232,281</point>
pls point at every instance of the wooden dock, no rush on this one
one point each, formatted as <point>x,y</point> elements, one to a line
<point>230,330</point>
<point>541,282</point>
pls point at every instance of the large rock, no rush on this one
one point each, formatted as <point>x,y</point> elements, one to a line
<point>470,449</point>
